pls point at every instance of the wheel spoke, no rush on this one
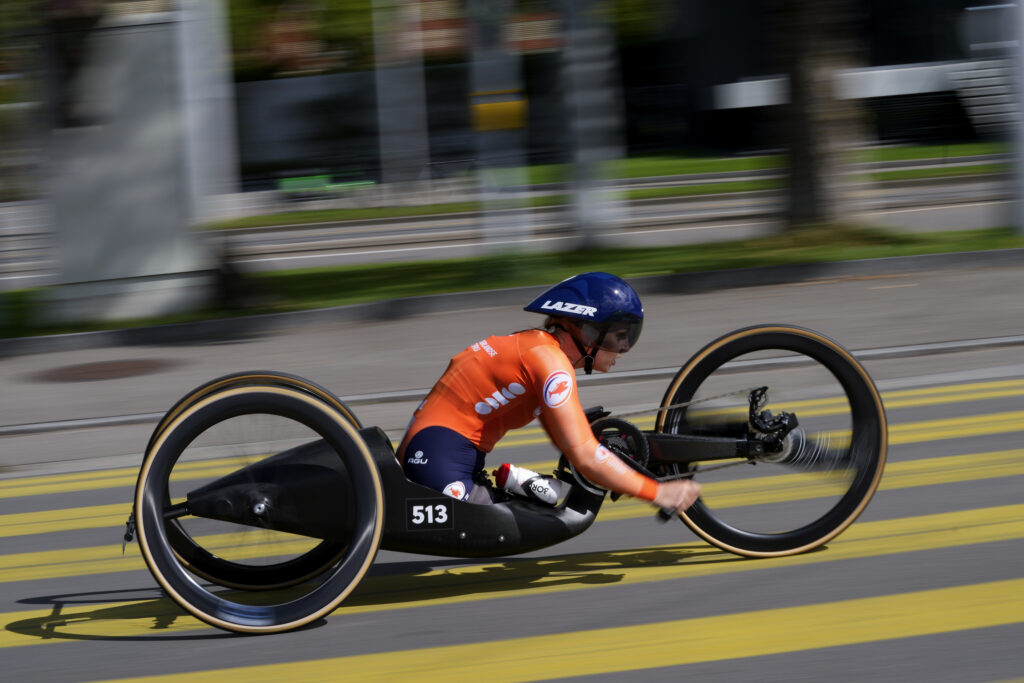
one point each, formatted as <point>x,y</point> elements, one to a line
<point>176,511</point>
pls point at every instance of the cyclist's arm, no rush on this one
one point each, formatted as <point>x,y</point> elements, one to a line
<point>563,418</point>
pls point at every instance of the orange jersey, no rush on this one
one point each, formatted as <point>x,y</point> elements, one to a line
<point>503,383</point>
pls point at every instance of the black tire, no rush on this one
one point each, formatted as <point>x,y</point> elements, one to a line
<point>252,378</point>
<point>776,508</point>
<point>332,577</point>
<point>208,565</point>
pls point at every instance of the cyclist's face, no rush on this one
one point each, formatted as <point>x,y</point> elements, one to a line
<point>618,339</point>
<point>604,360</point>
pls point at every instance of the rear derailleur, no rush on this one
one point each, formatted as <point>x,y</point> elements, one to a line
<point>772,438</point>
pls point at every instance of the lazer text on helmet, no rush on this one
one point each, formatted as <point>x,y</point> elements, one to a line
<point>564,307</point>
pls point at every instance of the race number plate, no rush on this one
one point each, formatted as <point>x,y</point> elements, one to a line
<point>429,513</point>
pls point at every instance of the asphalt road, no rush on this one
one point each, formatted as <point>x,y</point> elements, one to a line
<point>927,585</point>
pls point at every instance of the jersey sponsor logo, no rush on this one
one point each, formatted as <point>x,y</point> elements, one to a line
<point>417,459</point>
<point>557,388</point>
<point>456,490</point>
<point>501,397</point>
<point>482,344</point>
<point>566,307</point>
<point>605,457</point>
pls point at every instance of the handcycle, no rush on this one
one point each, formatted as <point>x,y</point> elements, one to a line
<point>262,500</point>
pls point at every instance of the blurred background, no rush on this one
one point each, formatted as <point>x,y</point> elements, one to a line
<point>148,147</point>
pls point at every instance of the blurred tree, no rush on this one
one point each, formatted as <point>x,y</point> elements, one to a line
<point>348,27</point>
<point>637,20</point>
<point>17,21</point>
<point>345,27</point>
<point>18,25</point>
<point>66,27</point>
<point>813,40</point>
<point>342,31</point>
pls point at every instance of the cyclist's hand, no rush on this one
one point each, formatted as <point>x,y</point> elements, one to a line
<point>677,495</point>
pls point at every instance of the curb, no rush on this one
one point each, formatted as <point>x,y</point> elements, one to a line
<point>226,329</point>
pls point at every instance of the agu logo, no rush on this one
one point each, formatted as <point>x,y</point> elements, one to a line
<point>557,388</point>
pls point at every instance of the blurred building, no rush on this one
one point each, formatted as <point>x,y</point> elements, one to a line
<point>926,71</point>
<point>291,126</point>
<point>701,77</point>
<point>696,76</point>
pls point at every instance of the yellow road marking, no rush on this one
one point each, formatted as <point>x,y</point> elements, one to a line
<point>104,479</point>
<point>472,583</point>
<point>957,427</point>
<point>902,433</point>
<point>66,519</point>
<point>907,398</point>
<point>657,645</point>
<point>788,487</point>
<point>85,481</point>
<point>105,559</point>
<point>971,387</point>
<point>898,475</point>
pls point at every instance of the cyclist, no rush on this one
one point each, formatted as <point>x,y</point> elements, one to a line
<point>504,382</point>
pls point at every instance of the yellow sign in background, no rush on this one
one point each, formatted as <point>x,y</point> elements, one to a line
<point>498,110</point>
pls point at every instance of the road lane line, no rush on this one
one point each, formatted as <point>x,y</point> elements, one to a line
<point>662,644</point>
<point>535,576</point>
<point>104,479</point>
<point>39,485</point>
<point>900,434</point>
<point>956,427</point>
<point>898,475</point>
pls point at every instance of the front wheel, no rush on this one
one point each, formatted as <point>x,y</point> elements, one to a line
<point>818,480</point>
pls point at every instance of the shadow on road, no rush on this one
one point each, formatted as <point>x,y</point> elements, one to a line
<point>145,614</point>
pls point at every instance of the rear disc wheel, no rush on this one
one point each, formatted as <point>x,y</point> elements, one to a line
<point>281,580</point>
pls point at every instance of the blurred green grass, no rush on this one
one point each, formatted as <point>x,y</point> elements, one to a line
<point>662,167</point>
<point>301,289</point>
<point>295,290</point>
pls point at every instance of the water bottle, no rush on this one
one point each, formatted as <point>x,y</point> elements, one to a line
<point>527,483</point>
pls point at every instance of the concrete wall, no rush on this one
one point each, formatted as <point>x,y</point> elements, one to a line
<point>133,174</point>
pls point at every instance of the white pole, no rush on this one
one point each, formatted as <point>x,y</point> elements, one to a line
<point>1018,120</point>
<point>401,92</point>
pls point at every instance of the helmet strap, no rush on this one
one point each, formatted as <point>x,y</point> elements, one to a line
<point>587,356</point>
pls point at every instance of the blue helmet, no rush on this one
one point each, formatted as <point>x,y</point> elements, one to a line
<point>604,310</point>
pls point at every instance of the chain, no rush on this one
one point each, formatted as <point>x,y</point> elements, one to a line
<point>702,470</point>
<point>686,404</point>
